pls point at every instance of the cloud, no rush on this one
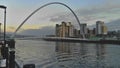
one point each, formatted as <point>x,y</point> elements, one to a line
<point>47,30</point>
<point>50,30</point>
<point>111,26</point>
<point>114,25</point>
<point>106,12</point>
<point>10,29</point>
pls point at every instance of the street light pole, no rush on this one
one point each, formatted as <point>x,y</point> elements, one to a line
<point>4,7</point>
<point>0,31</point>
<point>4,51</point>
<point>4,26</point>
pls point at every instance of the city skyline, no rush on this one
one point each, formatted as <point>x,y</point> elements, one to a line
<point>88,12</point>
<point>66,29</point>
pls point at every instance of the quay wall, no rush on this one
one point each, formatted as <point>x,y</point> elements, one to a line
<point>78,40</point>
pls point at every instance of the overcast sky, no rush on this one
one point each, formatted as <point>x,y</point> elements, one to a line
<point>88,11</point>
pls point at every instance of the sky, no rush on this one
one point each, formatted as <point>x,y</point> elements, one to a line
<point>88,11</point>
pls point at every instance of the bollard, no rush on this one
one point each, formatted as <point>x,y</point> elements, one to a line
<point>4,53</point>
<point>6,56</point>
<point>12,59</point>
<point>29,66</point>
<point>11,43</point>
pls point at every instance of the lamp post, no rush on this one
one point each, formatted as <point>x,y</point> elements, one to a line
<point>0,31</point>
<point>4,48</point>
<point>4,7</point>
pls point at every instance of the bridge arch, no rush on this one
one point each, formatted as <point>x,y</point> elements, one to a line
<point>41,8</point>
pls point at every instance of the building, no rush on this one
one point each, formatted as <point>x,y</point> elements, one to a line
<point>99,25</point>
<point>64,30</point>
<point>91,32</point>
<point>101,29</point>
<point>104,30</point>
<point>70,29</point>
<point>57,30</point>
<point>118,34</point>
<point>83,30</point>
<point>76,33</point>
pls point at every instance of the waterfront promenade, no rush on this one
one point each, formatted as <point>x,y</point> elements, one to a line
<point>102,41</point>
<point>74,40</point>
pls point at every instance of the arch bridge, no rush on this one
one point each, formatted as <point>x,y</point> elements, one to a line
<point>43,7</point>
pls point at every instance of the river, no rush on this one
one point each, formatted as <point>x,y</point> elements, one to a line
<point>46,54</point>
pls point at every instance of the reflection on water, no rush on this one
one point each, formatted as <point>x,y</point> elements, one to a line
<point>79,55</point>
<point>68,55</point>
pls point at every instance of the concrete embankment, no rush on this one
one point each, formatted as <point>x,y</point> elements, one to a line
<point>78,40</point>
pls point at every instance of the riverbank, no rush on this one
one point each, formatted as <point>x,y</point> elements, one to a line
<point>101,41</point>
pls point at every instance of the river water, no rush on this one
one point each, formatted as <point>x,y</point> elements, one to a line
<point>46,54</point>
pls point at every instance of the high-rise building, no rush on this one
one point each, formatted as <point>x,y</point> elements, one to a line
<point>76,33</point>
<point>100,28</point>
<point>64,30</point>
<point>104,30</point>
<point>70,29</point>
<point>99,25</point>
<point>83,29</point>
<point>57,30</point>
